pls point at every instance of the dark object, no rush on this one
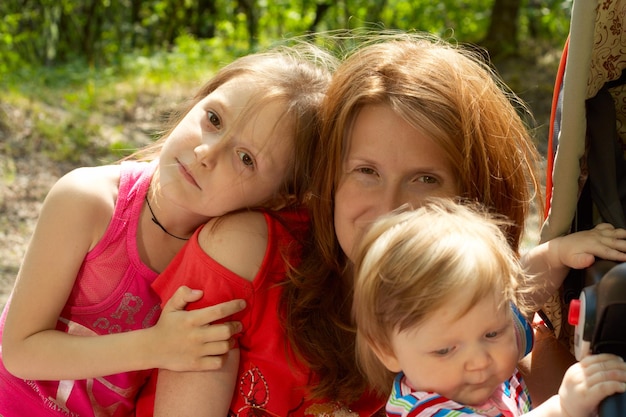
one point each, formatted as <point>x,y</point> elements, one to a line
<point>599,319</point>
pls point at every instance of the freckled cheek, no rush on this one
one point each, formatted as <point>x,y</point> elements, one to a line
<point>343,225</point>
<point>351,219</point>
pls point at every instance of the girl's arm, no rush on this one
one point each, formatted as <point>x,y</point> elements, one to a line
<point>238,242</point>
<point>549,263</point>
<point>191,394</point>
<point>73,218</point>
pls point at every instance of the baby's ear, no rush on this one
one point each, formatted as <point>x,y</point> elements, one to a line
<point>282,201</point>
<point>387,357</point>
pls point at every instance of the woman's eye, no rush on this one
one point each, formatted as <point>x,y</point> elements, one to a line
<point>428,179</point>
<point>214,119</point>
<point>245,158</point>
<point>366,171</point>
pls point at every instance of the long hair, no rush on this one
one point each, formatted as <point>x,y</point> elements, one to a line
<point>453,97</point>
<point>297,75</point>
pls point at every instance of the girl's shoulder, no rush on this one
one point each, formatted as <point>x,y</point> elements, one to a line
<point>86,195</point>
<point>90,185</point>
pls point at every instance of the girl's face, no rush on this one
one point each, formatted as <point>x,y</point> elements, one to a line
<point>463,357</point>
<point>210,173</point>
<point>388,163</point>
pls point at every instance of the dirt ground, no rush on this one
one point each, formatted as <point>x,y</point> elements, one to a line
<point>26,176</point>
<point>25,180</point>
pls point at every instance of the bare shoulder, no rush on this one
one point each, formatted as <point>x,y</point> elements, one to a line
<point>95,181</point>
<point>85,197</point>
<point>237,241</point>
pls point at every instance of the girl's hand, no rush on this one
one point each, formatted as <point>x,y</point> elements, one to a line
<point>578,250</point>
<point>590,381</point>
<point>186,340</point>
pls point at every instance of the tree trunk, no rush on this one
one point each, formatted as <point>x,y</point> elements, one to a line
<point>501,39</point>
<point>320,11</point>
<point>135,21</point>
<point>248,7</point>
<point>204,21</point>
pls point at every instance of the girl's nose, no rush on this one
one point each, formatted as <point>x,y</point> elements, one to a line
<point>205,155</point>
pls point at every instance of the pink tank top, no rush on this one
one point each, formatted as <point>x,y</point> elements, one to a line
<point>112,294</point>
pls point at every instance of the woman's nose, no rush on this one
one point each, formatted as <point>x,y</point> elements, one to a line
<point>392,199</point>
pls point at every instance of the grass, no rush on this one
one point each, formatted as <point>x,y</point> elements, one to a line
<point>76,112</point>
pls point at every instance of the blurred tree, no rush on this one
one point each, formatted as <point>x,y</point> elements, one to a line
<point>103,32</point>
<point>502,34</point>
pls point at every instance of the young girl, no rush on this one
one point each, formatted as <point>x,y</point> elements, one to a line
<point>432,302</point>
<point>247,255</point>
<point>105,233</point>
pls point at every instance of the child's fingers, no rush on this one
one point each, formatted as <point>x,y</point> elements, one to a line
<point>604,367</point>
<point>605,388</point>
<point>183,296</point>
<point>606,242</point>
<point>217,338</point>
<point>217,312</point>
<point>610,235</point>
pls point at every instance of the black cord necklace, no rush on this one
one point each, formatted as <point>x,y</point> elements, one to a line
<point>158,223</point>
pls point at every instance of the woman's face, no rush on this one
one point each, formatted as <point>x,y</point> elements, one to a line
<point>388,163</point>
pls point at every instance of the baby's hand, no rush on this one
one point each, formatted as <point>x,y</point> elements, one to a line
<point>589,381</point>
<point>578,250</point>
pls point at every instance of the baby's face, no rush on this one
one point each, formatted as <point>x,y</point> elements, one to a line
<point>461,357</point>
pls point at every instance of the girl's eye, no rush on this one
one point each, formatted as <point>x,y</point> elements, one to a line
<point>428,179</point>
<point>245,158</point>
<point>214,119</point>
<point>491,335</point>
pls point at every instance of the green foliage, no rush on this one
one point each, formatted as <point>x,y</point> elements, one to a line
<point>80,113</point>
<point>101,33</point>
<point>70,63</point>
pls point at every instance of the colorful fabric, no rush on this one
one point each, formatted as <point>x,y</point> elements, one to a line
<point>112,294</point>
<point>271,379</point>
<point>523,332</point>
<point>511,399</point>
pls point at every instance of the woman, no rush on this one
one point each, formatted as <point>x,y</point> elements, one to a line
<point>408,117</point>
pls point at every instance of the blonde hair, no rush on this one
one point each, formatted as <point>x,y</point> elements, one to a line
<point>410,263</point>
<point>454,98</point>
<point>298,76</point>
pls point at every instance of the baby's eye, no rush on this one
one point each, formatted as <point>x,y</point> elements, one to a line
<point>214,119</point>
<point>443,352</point>
<point>491,335</point>
<point>245,158</point>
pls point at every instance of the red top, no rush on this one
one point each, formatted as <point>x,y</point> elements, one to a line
<point>270,377</point>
